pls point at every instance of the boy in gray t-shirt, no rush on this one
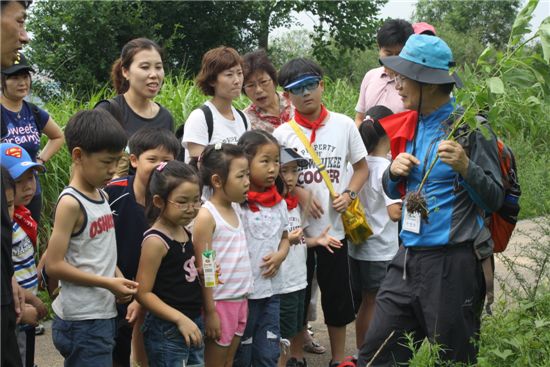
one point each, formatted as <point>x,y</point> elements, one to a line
<point>82,248</point>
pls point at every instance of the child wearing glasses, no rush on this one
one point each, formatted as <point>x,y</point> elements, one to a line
<point>149,147</point>
<point>169,281</point>
<point>337,142</point>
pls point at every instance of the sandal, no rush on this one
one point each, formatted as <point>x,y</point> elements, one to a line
<point>314,347</point>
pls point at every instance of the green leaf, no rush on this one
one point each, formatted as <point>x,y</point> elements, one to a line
<point>504,354</point>
<point>541,323</point>
<point>533,101</point>
<point>544,33</point>
<point>495,85</point>
<point>521,24</point>
<point>486,55</point>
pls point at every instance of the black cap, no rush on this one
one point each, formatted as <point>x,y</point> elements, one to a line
<point>19,65</point>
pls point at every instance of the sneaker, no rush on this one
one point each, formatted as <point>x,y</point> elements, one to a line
<point>39,329</point>
<point>293,362</point>
<point>313,347</point>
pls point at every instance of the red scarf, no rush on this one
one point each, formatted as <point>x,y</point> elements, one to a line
<point>291,201</point>
<point>22,216</point>
<point>270,197</point>
<point>313,125</point>
<point>400,128</point>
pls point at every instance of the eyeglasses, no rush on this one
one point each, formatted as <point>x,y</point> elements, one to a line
<point>399,79</point>
<point>262,83</point>
<point>186,206</point>
<point>301,89</point>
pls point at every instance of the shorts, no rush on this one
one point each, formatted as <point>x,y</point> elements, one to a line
<point>335,285</point>
<point>166,347</point>
<point>233,315</point>
<point>292,313</point>
<point>368,275</point>
<point>85,342</point>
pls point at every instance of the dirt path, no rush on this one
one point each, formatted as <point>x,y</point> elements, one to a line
<point>47,355</point>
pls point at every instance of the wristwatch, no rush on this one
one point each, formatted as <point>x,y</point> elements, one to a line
<point>352,194</point>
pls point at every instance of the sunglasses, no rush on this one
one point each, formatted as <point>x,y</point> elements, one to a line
<point>301,89</point>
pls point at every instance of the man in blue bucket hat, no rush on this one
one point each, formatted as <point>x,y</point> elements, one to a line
<point>434,286</point>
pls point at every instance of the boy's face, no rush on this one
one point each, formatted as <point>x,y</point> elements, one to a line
<point>309,102</point>
<point>387,51</point>
<point>97,168</point>
<point>148,161</point>
<point>289,172</point>
<point>10,199</point>
<point>25,188</point>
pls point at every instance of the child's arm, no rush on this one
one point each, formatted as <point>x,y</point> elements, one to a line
<point>360,176</point>
<point>273,261</point>
<point>37,303</point>
<point>202,234</point>
<point>310,204</point>
<point>67,215</point>
<point>394,211</point>
<point>325,240</point>
<point>295,236</point>
<point>153,251</point>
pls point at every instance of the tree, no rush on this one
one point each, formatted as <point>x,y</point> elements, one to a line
<point>76,42</point>
<point>491,19</point>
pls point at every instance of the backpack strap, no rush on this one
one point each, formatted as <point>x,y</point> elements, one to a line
<point>113,108</point>
<point>35,112</point>
<point>243,116</point>
<point>209,120</point>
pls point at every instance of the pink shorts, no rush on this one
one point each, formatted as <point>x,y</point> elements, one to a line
<point>233,315</point>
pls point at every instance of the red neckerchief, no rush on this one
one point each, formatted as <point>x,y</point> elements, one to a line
<point>276,121</point>
<point>313,125</point>
<point>22,216</point>
<point>400,128</point>
<point>270,197</point>
<point>291,201</point>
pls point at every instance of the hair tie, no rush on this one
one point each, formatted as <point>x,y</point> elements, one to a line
<point>218,146</point>
<point>161,166</point>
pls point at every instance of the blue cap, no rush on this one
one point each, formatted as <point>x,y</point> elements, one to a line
<point>425,59</point>
<point>301,80</point>
<point>17,160</point>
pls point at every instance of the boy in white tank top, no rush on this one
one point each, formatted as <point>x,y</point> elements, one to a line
<point>82,248</point>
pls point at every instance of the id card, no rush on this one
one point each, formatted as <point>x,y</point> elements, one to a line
<point>411,221</point>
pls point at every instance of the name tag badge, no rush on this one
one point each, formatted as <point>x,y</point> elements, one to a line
<point>411,221</point>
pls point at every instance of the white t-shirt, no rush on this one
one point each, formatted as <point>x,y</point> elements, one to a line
<point>294,269</point>
<point>337,142</point>
<point>224,131</point>
<point>383,244</point>
<point>264,230</point>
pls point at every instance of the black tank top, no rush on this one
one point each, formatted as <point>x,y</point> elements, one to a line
<point>177,281</point>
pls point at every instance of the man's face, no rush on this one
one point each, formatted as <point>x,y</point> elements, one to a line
<point>14,35</point>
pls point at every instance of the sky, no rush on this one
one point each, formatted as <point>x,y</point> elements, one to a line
<point>404,8</point>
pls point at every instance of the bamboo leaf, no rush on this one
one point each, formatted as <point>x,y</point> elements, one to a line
<point>544,33</point>
<point>496,86</point>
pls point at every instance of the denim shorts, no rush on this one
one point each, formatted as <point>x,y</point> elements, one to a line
<point>85,342</point>
<point>165,346</point>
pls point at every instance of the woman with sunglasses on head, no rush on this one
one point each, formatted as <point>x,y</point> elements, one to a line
<point>23,123</point>
<point>268,109</point>
<point>434,285</point>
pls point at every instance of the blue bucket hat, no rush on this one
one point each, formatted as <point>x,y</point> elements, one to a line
<point>425,59</point>
<point>17,160</point>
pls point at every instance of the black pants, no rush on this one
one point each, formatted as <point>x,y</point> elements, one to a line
<point>335,285</point>
<point>9,349</point>
<point>441,298</point>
